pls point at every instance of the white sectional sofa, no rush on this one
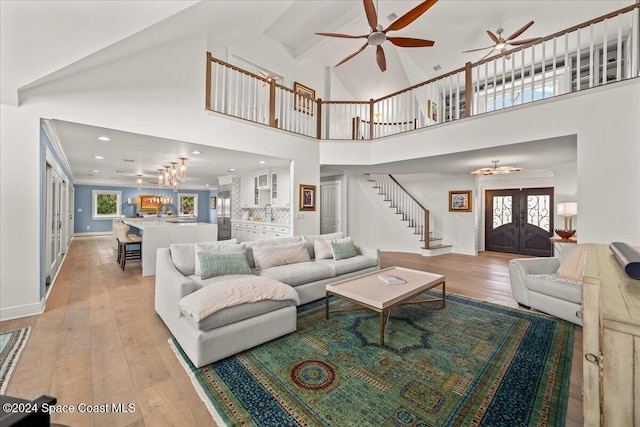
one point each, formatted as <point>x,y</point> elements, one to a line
<point>243,326</point>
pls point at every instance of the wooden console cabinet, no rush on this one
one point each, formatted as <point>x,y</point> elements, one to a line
<point>611,342</point>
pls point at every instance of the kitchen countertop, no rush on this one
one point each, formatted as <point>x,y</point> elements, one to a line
<point>245,221</point>
<point>146,223</point>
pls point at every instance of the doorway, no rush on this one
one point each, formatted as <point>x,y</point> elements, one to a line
<point>519,221</point>
<point>330,207</point>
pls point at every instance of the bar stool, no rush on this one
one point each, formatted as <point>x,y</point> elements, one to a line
<point>125,243</point>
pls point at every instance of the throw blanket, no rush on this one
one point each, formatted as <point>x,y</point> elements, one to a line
<point>229,293</point>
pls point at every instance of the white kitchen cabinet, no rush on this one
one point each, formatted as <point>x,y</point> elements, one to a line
<point>252,231</point>
<point>247,191</point>
<point>280,188</point>
<point>284,188</point>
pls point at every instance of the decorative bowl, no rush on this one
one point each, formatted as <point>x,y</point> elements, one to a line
<point>565,234</point>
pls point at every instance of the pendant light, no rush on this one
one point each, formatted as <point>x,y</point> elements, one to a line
<point>183,169</point>
<point>496,170</point>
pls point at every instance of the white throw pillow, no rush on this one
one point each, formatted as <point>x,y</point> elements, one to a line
<point>271,256</point>
<point>214,248</point>
<point>322,249</point>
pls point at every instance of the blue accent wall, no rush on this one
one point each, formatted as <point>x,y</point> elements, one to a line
<point>84,195</point>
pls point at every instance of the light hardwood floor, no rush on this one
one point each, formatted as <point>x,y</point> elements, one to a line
<point>100,341</point>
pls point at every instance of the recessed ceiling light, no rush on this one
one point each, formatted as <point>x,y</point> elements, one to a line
<point>117,171</point>
<point>231,170</point>
<point>206,185</point>
<point>195,152</point>
<point>262,162</point>
<point>98,157</point>
<point>437,67</point>
<point>95,171</point>
<point>104,138</point>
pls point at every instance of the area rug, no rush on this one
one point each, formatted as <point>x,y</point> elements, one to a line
<point>472,363</point>
<point>11,345</point>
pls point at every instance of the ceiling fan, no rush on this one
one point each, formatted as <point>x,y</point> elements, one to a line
<point>269,77</point>
<point>501,43</point>
<point>378,35</point>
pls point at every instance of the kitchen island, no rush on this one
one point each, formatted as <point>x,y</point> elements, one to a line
<point>161,233</point>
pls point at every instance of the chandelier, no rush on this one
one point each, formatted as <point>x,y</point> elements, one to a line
<point>169,175</point>
<point>496,170</point>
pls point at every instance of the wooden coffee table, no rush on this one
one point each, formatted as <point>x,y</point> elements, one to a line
<point>369,292</point>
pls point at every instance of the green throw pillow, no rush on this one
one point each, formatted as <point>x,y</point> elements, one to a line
<point>220,264</point>
<point>342,250</point>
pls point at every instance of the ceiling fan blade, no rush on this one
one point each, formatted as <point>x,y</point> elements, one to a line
<point>372,16</point>
<point>490,52</point>
<point>352,55</point>
<point>492,36</point>
<point>343,36</point>
<point>410,16</point>
<point>410,42</point>
<point>520,31</point>
<point>475,50</point>
<point>525,41</point>
<point>382,61</point>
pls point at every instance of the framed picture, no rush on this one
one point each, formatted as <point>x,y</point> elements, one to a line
<point>150,203</point>
<point>460,201</point>
<point>304,98</point>
<point>212,202</point>
<point>307,197</point>
<point>432,110</point>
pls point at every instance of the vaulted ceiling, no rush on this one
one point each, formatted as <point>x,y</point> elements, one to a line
<point>45,40</point>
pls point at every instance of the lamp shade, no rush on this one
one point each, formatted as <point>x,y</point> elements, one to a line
<point>567,208</point>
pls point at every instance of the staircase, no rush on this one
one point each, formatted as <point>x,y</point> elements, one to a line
<point>409,210</point>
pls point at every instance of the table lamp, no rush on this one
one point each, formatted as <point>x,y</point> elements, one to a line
<point>567,209</point>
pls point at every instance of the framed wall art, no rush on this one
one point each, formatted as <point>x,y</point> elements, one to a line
<point>460,201</point>
<point>150,203</point>
<point>307,197</point>
<point>212,202</point>
<point>304,98</point>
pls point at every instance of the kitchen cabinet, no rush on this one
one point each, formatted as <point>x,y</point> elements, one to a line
<point>247,192</point>
<point>280,190</point>
<point>253,230</point>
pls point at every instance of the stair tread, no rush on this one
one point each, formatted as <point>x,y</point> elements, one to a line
<point>438,246</point>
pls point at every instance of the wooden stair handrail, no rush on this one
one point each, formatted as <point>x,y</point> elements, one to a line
<point>426,231</point>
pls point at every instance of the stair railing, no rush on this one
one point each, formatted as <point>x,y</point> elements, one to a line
<point>405,204</point>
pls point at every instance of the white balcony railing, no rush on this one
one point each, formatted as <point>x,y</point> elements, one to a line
<point>602,51</point>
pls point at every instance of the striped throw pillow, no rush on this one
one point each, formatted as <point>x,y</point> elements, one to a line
<point>342,250</point>
<point>220,264</point>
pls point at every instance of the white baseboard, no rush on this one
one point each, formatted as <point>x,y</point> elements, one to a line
<point>25,310</point>
<point>415,250</point>
<point>94,233</point>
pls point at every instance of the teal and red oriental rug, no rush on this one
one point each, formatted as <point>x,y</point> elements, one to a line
<point>473,363</point>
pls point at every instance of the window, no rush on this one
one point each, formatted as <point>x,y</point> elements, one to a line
<point>521,91</point>
<point>187,204</point>
<point>106,204</point>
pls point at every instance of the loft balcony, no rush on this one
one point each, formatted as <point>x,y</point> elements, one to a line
<point>599,52</point>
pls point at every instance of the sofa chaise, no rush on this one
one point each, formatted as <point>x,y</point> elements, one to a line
<point>298,263</point>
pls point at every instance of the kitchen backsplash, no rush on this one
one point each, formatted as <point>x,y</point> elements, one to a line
<point>280,215</point>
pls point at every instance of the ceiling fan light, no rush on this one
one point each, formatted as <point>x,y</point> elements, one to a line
<point>500,46</point>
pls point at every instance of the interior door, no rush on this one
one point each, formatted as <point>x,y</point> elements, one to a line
<point>330,194</point>
<point>519,221</point>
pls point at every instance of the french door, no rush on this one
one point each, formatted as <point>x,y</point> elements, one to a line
<point>519,221</point>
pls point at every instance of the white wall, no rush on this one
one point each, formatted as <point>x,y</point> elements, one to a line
<point>432,191</point>
<point>160,93</point>
<point>605,121</point>
<point>372,223</point>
